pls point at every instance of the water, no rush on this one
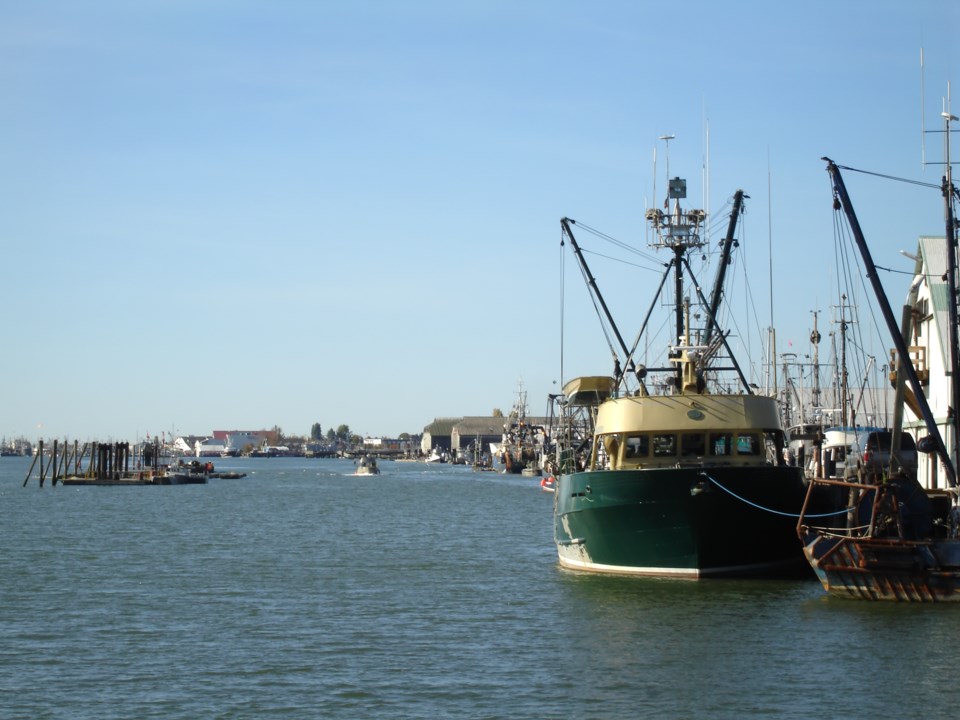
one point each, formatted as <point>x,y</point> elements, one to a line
<point>427,592</point>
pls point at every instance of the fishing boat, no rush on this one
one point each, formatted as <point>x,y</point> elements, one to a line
<point>900,540</point>
<point>685,478</point>
<point>524,439</point>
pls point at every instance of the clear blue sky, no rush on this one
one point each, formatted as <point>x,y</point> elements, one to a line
<point>222,214</point>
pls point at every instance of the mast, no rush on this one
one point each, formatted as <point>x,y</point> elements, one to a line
<point>815,341</point>
<point>842,200</point>
<point>951,239</point>
<point>803,414</point>
<point>724,260</point>
<point>787,402</point>
<point>679,231</point>
<point>844,377</point>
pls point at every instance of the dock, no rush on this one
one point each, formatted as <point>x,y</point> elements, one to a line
<point>97,463</point>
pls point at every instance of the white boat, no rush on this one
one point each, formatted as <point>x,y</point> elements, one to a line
<point>367,466</point>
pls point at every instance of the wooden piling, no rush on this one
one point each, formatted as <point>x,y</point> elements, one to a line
<point>42,471</point>
<point>32,465</point>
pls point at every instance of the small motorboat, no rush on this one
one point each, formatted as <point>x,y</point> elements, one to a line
<point>367,466</point>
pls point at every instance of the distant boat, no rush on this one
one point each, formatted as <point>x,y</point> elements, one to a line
<point>271,451</point>
<point>192,473</point>
<point>367,466</point>
<point>437,456</point>
<point>522,445</point>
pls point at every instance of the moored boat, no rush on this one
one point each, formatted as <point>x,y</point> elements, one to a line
<point>523,442</point>
<point>182,473</point>
<point>681,485</point>
<point>689,482</point>
<point>900,540</point>
<point>182,478</point>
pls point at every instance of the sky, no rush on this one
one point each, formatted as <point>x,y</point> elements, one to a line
<point>221,214</point>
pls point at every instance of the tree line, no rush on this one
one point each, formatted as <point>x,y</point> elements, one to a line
<point>341,434</point>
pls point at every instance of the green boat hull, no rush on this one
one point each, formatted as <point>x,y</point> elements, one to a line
<point>681,521</point>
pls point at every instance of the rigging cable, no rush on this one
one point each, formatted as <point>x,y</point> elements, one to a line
<point>619,243</point>
<point>844,247</point>
<point>596,307</point>
<point>892,177</point>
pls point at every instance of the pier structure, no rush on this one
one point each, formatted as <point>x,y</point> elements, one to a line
<point>96,463</point>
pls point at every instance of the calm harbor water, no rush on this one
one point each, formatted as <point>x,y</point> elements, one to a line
<point>427,592</point>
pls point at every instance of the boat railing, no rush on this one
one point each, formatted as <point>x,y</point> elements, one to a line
<point>568,461</point>
<point>874,510</point>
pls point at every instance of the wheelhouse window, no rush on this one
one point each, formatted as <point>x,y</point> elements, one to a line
<point>748,444</point>
<point>664,445</point>
<point>692,445</point>
<point>773,446</point>
<point>637,446</point>
<point>721,444</point>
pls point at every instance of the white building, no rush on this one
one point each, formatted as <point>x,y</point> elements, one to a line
<point>210,447</point>
<point>238,441</point>
<point>929,344</point>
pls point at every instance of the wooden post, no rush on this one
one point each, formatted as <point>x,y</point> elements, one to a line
<point>63,466</point>
<point>43,470</point>
<point>53,462</point>
<point>79,460</point>
<point>30,471</point>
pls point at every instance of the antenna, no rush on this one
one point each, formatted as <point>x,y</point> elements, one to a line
<point>923,121</point>
<point>706,191</point>
<point>655,201</point>
<point>666,139</point>
<point>770,231</point>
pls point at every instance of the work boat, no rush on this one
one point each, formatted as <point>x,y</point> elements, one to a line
<point>690,482</point>
<point>900,539</point>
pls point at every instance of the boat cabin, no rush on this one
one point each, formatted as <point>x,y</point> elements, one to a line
<point>666,431</point>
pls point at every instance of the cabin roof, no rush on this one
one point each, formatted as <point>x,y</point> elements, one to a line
<point>589,390</point>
